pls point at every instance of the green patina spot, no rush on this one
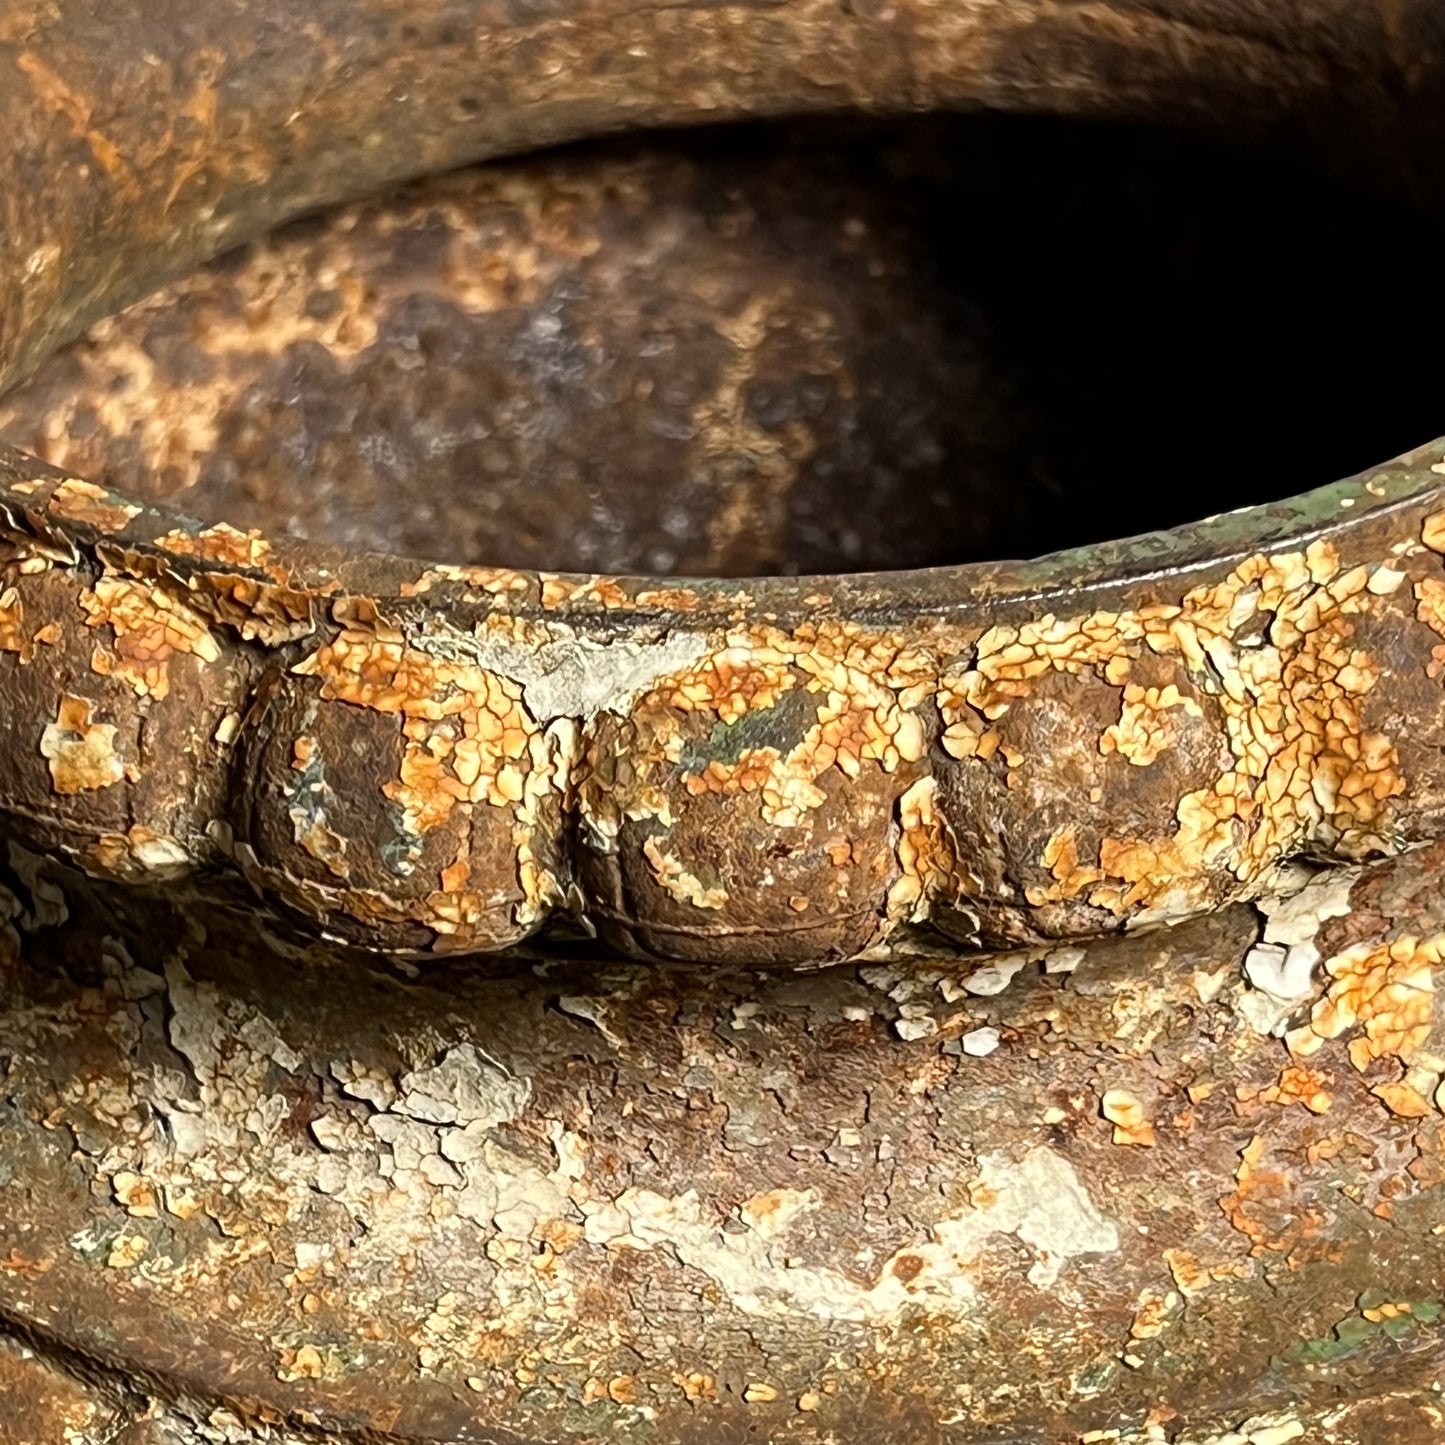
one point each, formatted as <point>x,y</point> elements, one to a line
<point>1094,1378</point>
<point>1249,529</point>
<point>781,727</point>
<point>1355,1332</point>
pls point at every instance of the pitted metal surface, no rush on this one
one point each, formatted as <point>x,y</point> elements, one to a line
<point>713,772</point>
<point>1187,1182</point>
<point>659,358</point>
<point>1025,1164</point>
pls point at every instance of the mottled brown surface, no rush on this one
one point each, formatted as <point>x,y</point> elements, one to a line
<point>255,1183</point>
<point>42,1403</point>
<point>171,140</point>
<point>668,362</point>
<point>757,350</point>
<point>643,1205</point>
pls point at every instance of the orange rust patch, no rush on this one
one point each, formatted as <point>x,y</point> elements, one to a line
<point>1295,1085</point>
<point>1403,1099</point>
<point>730,682</point>
<point>557,591</point>
<point>667,599</point>
<point>16,1263</point>
<point>1388,988</point>
<point>1254,1183</point>
<point>12,614</point>
<point>221,543</point>
<point>455,910</point>
<point>139,853</point>
<point>493,581</point>
<point>272,613</point>
<point>1061,858</point>
<point>468,736</point>
<point>77,110</point>
<point>81,752</point>
<point>1151,1315</point>
<point>1303,767</point>
<point>683,885</point>
<point>697,1386</point>
<point>1144,729</point>
<point>967,735</point>
<point>1194,1278</point>
<point>1390,1310</point>
<point>323,843</point>
<point>12,629</point>
<point>92,506</point>
<point>931,873</point>
<point>606,592</point>
<point>454,877</point>
<point>1430,597</point>
<point>150,626</point>
<point>866,686</point>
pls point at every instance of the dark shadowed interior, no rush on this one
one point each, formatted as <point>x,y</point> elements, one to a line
<point>761,350</point>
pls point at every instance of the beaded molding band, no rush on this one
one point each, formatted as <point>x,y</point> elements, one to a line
<point>420,757</point>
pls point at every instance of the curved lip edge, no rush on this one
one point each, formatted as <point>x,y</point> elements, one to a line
<point>977,592</point>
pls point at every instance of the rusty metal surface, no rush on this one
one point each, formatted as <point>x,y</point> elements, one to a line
<point>713,359</point>
<point>783,349</point>
<point>137,146</point>
<point>1029,1164</point>
<point>428,758</point>
<point>1163,1185</point>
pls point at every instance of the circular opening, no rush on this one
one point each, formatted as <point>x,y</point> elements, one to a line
<point>760,350</point>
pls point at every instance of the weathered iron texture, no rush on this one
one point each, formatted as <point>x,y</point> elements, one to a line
<point>422,757</point>
<point>425,757</point>
<point>413,1021</point>
<point>269,1194</point>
